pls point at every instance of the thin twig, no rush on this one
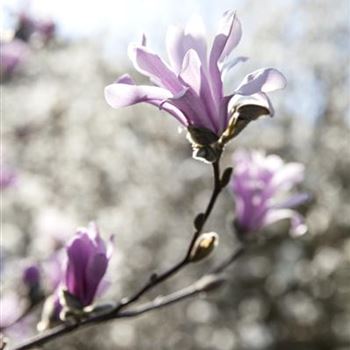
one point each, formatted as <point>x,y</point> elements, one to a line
<point>151,283</point>
<point>226,263</point>
<point>204,284</point>
<point>216,191</point>
<point>157,279</point>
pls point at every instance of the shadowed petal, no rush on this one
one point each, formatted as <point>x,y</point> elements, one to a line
<point>151,65</point>
<point>174,45</point>
<point>125,79</point>
<point>228,34</point>
<point>192,107</point>
<point>179,41</point>
<point>293,201</point>
<point>121,95</point>
<point>95,270</point>
<point>227,37</point>
<point>190,71</point>
<point>262,80</point>
<point>78,252</point>
<point>195,38</point>
<point>227,66</point>
<point>258,99</point>
<point>289,175</point>
<point>297,224</point>
<point>193,75</point>
<point>171,109</point>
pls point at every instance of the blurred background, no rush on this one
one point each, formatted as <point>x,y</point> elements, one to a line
<point>68,158</point>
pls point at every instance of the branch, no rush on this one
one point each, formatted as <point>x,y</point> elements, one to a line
<point>153,281</point>
<point>231,259</point>
<point>216,191</point>
<point>205,284</point>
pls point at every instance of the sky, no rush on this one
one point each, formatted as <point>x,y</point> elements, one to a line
<point>83,18</point>
<point>115,23</point>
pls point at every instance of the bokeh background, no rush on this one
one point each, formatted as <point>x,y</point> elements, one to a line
<point>72,159</point>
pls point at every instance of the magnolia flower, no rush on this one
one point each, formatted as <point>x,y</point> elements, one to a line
<point>12,54</point>
<point>190,85</point>
<point>88,258</point>
<point>260,184</point>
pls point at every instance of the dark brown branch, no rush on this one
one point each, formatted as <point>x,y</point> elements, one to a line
<point>216,191</point>
<point>205,284</point>
<point>231,259</point>
<point>155,280</point>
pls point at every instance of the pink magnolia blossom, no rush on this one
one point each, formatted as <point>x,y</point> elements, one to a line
<point>190,85</point>
<point>261,185</point>
<point>88,257</point>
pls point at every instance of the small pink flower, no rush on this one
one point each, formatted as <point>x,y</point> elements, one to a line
<point>88,258</point>
<point>260,185</point>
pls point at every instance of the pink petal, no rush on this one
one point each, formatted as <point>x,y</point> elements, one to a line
<point>193,75</point>
<point>179,41</point>
<point>227,37</point>
<point>287,176</point>
<point>230,21</point>
<point>151,65</point>
<point>125,79</point>
<point>293,201</point>
<point>229,34</point>
<point>262,80</point>
<point>258,99</point>
<point>95,270</point>
<point>193,108</point>
<point>121,95</point>
<point>297,228</point>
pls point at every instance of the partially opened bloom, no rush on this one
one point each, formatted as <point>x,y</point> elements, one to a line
<point>261,188</point>
<point>190,85</point>
<point>88,257</point>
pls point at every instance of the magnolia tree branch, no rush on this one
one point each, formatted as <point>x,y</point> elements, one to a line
<point>156,279</point>
<point>205,284</point>
<point>117,311</point>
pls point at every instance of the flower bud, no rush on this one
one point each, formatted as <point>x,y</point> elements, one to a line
<point>203,246</point>
<point>88,259</point>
